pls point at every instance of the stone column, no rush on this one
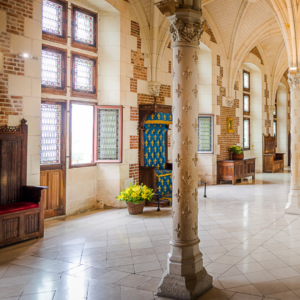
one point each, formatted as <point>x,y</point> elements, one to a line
<point>293,204</point>
<point>185,278</point>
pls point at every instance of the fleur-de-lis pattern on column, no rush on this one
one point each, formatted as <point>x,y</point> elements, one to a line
<point>178,56</point>
<point>178,91</point>
<point>187,108</point>
<point>195,194</point>
<point>195,125</point>
<point>188,178</point>
<point>195,228</point>
<point>178,125</point>
<point>187,143</point>
<point>195,57</point>
<point>178,160</point>
<point>173,212</point>
<point>195,91</point>
<point>178,195</point>
<point>195,159</point>
<point>187,212</point>
<point>188,74</point>
<point>177,229</point>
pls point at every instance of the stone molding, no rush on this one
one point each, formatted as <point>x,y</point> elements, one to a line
<point>229,102</point>
<point>154,88</point>
<point>271,109</point>
<point>294,82</point>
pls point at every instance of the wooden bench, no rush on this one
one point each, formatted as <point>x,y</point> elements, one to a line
<point>21,206</point>
<point>272,161</point>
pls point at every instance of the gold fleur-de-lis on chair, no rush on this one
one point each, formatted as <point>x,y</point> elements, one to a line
<point>187,74</point>
<point>187,108</point>
<point>178,91</point>
<point>195,91</point>
<point>195,159</point>
<point>195,57</point>
<point>188,178</point>
<point>195,125</point>
<point>178,230</point>
<point>187,143</point>
<point>178,160</point>
<point>195,194</point>
<point>195,228</point>
<point>178,125</point>
<point>178,56</point>
<point>178,195</point>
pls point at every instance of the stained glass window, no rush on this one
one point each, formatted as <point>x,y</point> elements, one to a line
<point>205,134</point>
<point>246,103</point>
<point>84,25</point>
<point>108,134</point>
<point>82,125</point>
<point>51,68</point>
<point>246,80</point>
<point>50,134</point>
<point>274,128</point>
<point>52,17</point>
<point>246,134</point>
<point>83,74</point>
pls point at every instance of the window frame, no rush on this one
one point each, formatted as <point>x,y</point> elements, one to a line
<point>82,45</point>
<point>54,37</point>
<point>245,89</point>
<point>212,133</point>
<point>70,137</point>
<point>63,89</point>
<point>63,134</point>
<point>120,107</point>
<point>249,135</point>
<point>81,93</point>
<point>246,112</point>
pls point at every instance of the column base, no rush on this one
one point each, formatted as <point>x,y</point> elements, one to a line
<point>184,287</point>
<point>292,206</point>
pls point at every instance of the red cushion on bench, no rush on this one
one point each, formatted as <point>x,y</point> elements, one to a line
<point>18,206</point>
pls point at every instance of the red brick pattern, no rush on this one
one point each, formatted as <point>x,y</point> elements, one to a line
<point>134,113</point>
<point>133,85</point>
<point>13,64</point>
<point>170,67</point>
<point>139,72</point>
<point>211,34</point>
<point>226,139</point>
<point>134,172</point>
<point>135,29</point>
<point>16,11</point>
<point>148,99</point>
<point>165,91</point>
<point>134,142</point>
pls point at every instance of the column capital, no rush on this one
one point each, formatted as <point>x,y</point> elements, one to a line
<point>294,82</point>
<point>186,27</point>
<point>154,88</point>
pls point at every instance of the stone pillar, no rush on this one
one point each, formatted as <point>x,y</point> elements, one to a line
<point>293,204</point>
<point>185,278</point>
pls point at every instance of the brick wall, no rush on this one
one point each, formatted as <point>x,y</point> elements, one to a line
<point>16,11</point>
<point>226,139</point>
<point>140,73</point>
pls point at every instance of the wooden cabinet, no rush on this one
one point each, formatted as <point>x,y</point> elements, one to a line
<point>234,170</point>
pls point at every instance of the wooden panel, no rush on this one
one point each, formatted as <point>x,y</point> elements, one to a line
<point>10,228</point>
<point>54,195</point>
<point>31,223</point>
<point>11,158</point>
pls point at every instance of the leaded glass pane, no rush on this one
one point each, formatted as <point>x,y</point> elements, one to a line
<point>84,25</point>
<point>83,74</point>
<point>51,68</point>
<point>205,134</point>
<point>274,127</point>
<point>246,80</point>
<point>246,103</point>
<point>50,134</point>
<point>246,134</point>
<point>108,134</point>
<point>52,17</point>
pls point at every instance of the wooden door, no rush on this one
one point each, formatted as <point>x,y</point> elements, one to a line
<point>53,173</point>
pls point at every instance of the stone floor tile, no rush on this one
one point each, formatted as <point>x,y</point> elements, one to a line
<point>155,273</point>
<point>273,264</point>
<point>284,296</point>
<point>234,281</point>
<point>145,259</point>
<point>271,287</point>
<point>239,296</point>
<point>119,262</point>
<point>11,291</point>
<point>247,289</point>
<point>250,268</point>
<point>133,280</point>
<point>216,294</point>
<point>292,283</point>
<point>113,276</point>
<point>14,281</point>
<point>284,273</point>
<point>150,266</point>
<point>92,272</point>
<point>150,285</point>
<point>217,268</point>
<point>42,287</point>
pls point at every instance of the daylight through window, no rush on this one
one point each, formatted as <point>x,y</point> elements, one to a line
<point>52,17</point>
<point>246,134</point>
<point>205,134</point>
<point>51,68</point>
<point>83,74</point>
<point>84,28</point>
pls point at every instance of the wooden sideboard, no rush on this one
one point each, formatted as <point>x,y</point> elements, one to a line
<point>235,169</point>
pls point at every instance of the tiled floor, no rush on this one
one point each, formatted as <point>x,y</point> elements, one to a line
<point>250,247</point>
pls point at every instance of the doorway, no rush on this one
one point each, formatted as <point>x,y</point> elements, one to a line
<point>53,156</point>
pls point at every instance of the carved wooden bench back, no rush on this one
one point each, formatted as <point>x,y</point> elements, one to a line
<point>269,144</point>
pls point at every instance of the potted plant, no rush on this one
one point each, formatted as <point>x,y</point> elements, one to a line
<point>135,197</point>
<point>237,152</point>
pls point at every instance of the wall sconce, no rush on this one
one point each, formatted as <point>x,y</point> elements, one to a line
<point>26,55</point>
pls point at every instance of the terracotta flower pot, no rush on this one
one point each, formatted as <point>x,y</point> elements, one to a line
<point>135,209</point>
<point>237,156</point>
